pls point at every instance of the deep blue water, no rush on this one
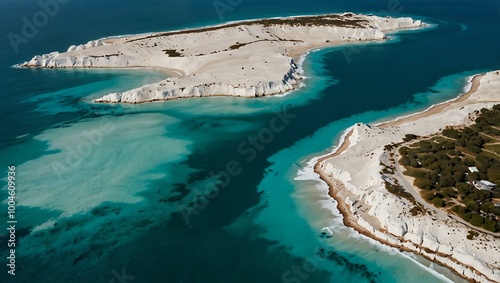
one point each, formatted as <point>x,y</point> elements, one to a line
<point>121,204</point>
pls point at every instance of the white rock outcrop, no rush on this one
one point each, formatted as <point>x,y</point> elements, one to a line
<point>246,59</point>
<point>153,92</point>
<point>436,234</point>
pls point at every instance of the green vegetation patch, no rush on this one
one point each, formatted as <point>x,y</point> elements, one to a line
<point>449,164</point>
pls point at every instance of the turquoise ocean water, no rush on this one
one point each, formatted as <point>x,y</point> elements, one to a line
<point>106,193</point>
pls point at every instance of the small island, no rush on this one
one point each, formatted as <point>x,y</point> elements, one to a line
<point>244,59</point>
<point>426,183</point>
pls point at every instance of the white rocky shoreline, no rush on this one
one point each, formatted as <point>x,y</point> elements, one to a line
<point>355,182</point>
<point>244,59</point>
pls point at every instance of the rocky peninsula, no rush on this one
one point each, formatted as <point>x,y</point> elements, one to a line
<point>357,182</point>
<point>244,59</point>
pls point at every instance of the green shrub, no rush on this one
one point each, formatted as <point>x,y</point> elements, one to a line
<point>476,219</point>
<point>439,202</point>
<point>429,196</point>
<point>490,225</point>
<point>424,184</point>
<point>403,150</point>
<point>472,206</point>
<point>409,137</point>
<point>449,192</point>
<point>449,132</point>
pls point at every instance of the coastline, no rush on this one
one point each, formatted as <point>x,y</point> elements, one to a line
<point>166,71</point>
<point>334,187</point>
<point>218,25</point>
<point>221,25</point>
<point>249,58</point>
<point>338,189</point>
<point>436,108</point>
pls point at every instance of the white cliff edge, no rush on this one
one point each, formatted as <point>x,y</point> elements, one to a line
<point>387,217</point>
<point>154,92</point>
<point>246,59</point>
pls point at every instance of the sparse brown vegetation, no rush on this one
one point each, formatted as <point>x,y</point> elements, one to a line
<point>323,20</point>
<point>172,53</point>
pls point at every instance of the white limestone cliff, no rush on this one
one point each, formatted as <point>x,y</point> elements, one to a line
<point>387,217</point>
<point>246,59</point>
<point>159,91</point>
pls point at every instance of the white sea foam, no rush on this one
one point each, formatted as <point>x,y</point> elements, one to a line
<point>307,172</point>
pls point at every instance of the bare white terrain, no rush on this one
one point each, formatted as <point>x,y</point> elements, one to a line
<point>356,182</point>
<point>245,59</point>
